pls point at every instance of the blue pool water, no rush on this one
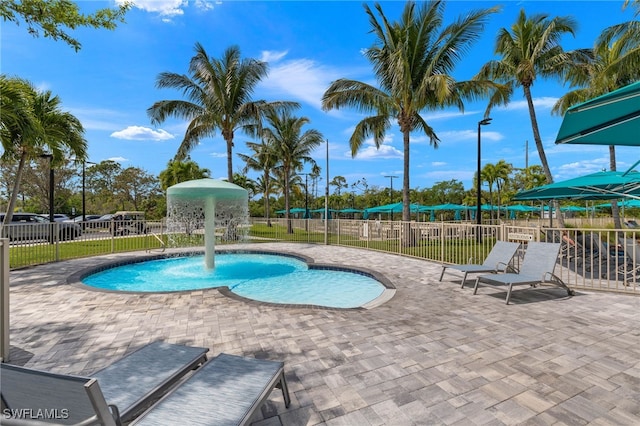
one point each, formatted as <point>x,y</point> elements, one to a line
<point>262,277</point>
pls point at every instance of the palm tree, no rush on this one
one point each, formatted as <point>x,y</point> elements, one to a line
<point>33,125</point>
<point>292,148</point>
<point>412,60</point>
<point>502,172</point>
<point>218,93</point>
<point>611,64</point>
<point>181,171</point>
<point>489,175</point>
<point>531,49</point>
<point>262,159</point>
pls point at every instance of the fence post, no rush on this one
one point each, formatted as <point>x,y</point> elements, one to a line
<point>4,302</point>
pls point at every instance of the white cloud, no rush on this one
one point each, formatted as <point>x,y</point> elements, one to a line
<point>299,79</point>
<point>139,133</point>
<point>544,102</point>
<point>118,159</point>
<point>272,56</point>
<point>438,163</point>
<point>169,8</point>
<point>386,150</point>
<point>218,155</point>
<point>450,136</point>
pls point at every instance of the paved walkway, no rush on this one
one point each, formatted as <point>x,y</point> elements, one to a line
<point>433,354</point>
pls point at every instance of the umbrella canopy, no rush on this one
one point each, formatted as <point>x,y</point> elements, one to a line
<point>521,208</point>
<point>350,211</point>
<point>447,206</point>
<point>629,204</point>
<point>596,186</point>
<point>611,119</point>
<point>294,210</point>
<point>390,208</point>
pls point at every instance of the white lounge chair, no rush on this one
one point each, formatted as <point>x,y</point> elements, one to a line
<point>497,260</point>
<point>112,396</point>
<point>536,267</point>
<point>227,390</point>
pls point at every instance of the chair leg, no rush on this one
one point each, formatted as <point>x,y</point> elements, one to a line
<point>509,292</point>
<point>464,280</point>
<point>285,390</point>
<point>442,273</point>
<point>475,287</point>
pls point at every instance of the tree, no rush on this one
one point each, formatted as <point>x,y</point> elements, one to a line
<point>612,63</point>
<point>54,18</point>
<point>44,128</point>
<point>263,159</point>
<point>531,49</point>
<point>412,60</point>
<point>488,174</point>
<point>181,171</point>
<point>292,148</point>
<point>133,185</point>
<point>218,93</point>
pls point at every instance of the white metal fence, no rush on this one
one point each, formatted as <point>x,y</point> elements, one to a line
<point>590,258</point>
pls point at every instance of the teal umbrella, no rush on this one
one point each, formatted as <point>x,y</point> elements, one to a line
<point>596,186</point>
<point>611,119</point>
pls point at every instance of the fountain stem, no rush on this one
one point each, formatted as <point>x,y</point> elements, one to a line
<point>209,232</point>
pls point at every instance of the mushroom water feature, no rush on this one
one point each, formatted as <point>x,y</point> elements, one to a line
<point>216,204</point>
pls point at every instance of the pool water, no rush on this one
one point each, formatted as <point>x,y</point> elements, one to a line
<point>262,277</point>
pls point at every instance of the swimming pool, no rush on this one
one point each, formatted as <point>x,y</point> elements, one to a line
<point>263,277</point>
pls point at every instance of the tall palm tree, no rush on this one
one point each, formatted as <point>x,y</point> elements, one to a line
<point>292,148</point>
<point>33,125</point>
<point>531,49</point>
<point>262,159</point>
<point>218,93</point>
<point>413,60</point>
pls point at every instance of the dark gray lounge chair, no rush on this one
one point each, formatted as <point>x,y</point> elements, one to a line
<point>227,390</point>
<point>113,395</point>
<point>497,260</point>
<point>536,267</point>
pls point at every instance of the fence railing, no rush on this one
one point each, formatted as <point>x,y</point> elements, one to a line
<point>595,259</point>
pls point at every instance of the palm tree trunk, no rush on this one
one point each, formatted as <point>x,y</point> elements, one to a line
<point>16,188</point>
<point>229,141</point>
<point>615,210</point>
<point>267,208</point>
<point>406,212</point>
<point>540,147</point>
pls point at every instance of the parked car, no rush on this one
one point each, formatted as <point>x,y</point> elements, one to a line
<point>103,221</point>
<point>83,223</point>
<point>31,226</point>
<point>129,222</point>
<point>57,217</point>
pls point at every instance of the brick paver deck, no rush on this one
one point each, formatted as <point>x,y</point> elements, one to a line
<point>433,354</point>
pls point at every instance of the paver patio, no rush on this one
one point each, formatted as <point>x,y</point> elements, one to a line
<point>433,354</point>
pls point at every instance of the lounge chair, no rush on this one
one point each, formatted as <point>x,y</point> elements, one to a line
<point>112,396</point>
<point>497,260</point>
<point>227,390</point>
<point>631,268</point>
<point>536,267</point>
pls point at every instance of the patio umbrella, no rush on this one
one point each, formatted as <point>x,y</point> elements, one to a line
<point>390,208</point>
<point>596,186</point>
<point>610,119</point>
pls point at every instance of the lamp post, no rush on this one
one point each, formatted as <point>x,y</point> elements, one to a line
<point>84,204</point>
<point>481,123</point>
<point>391,178</point>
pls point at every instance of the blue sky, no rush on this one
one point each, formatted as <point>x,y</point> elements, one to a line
<point>110,83</point>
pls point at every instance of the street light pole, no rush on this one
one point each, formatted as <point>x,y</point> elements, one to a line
<point>391,178</point>
<point>481,123</point>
